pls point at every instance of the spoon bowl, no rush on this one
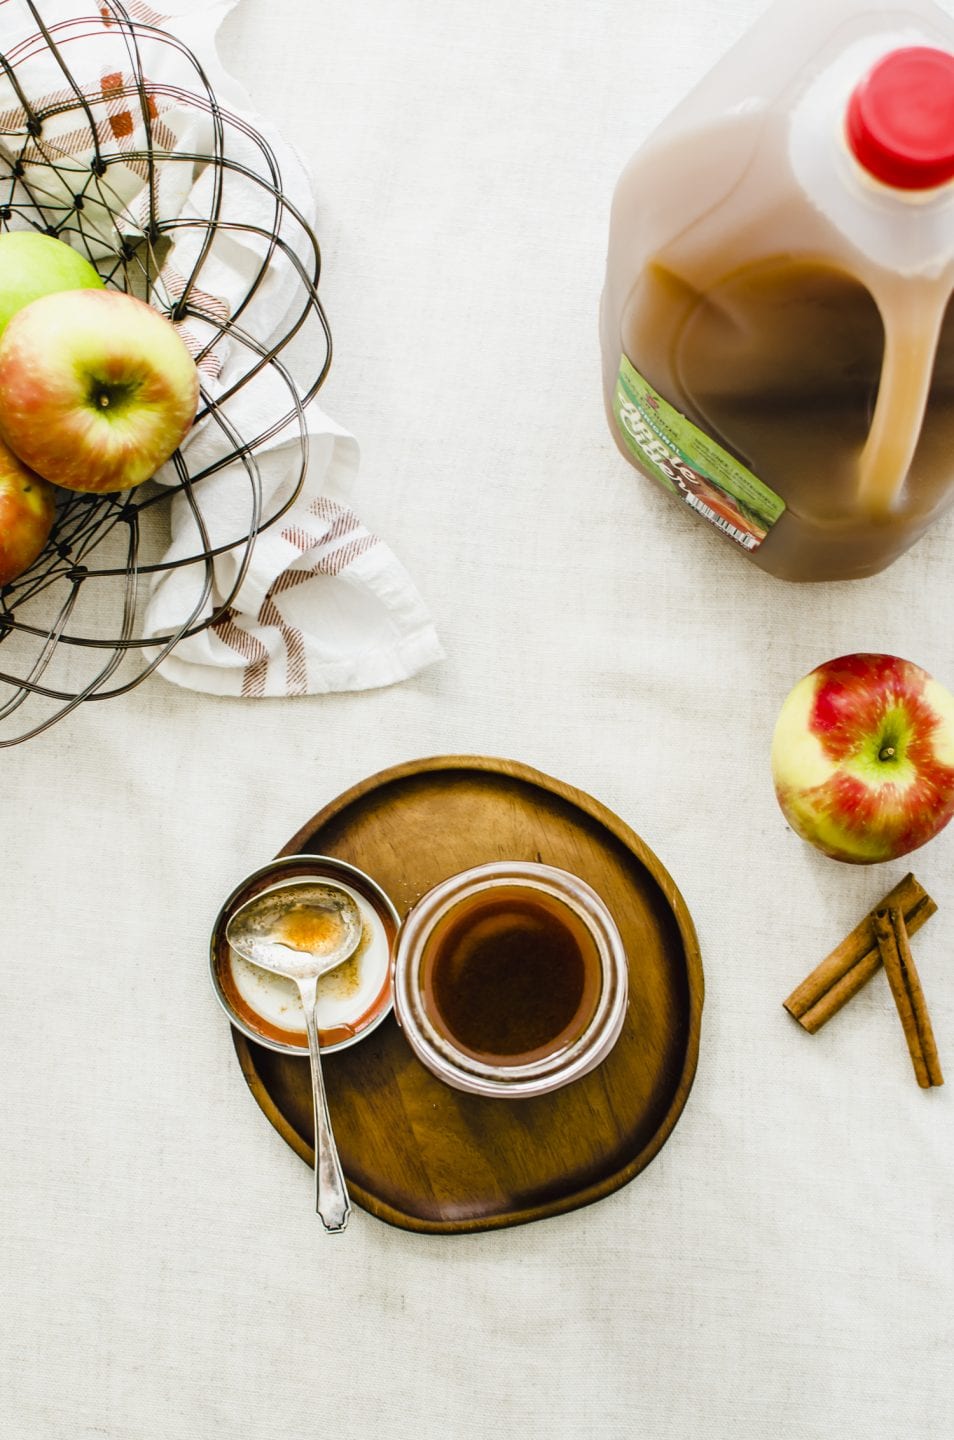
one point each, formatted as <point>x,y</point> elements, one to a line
<point>302,931</point>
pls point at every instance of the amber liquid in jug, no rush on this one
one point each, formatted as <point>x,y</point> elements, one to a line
<point>784,360</point>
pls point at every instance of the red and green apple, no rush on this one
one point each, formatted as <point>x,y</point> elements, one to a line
<point>34,264</point>
<point>863,757</point>
<point>96,389</point>
<point>27,511</point>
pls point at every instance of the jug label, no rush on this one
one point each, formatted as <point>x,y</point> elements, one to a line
<point>691,464</point>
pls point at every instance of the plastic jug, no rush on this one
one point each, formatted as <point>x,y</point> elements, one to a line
<point>776,326</point>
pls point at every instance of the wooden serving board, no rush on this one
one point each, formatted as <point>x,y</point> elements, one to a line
<point>423,1156</point>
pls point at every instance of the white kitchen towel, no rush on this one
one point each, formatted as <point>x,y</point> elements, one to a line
<point>324,605</point>
<point>321,603</point>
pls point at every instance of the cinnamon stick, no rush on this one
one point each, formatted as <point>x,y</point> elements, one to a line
<point>853,963</point>
<point>905,985</point>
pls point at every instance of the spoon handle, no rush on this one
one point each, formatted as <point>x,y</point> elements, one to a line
<point>331,1192</point>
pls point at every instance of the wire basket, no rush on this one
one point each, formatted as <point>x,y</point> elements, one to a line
<point>105,159</point>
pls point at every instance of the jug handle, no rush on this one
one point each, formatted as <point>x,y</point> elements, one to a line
<point>911,334</point>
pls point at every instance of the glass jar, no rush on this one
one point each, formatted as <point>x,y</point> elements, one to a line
<point>467,1012</point>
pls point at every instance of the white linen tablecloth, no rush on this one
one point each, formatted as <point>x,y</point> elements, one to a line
<point>783,1270</point>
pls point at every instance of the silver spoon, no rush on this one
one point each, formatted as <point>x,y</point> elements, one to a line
<point>303,931</point>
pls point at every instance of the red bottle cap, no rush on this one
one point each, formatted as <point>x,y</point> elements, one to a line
<point>900,119</point>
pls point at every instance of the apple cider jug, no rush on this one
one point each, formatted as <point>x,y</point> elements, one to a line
<point>776,324</point>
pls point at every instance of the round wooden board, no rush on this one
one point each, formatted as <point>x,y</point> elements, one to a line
<point>423,1156</point>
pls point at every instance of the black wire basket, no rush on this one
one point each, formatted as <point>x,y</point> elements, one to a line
<point>93,159</point>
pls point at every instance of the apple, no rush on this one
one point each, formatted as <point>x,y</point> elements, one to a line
<point>863,758</point>
<point>96,389</point>
<point>27,512</point>
<point>33,264</point>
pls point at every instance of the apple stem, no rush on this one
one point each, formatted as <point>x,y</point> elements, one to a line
<point>887,753</point>
<point>104,402</point>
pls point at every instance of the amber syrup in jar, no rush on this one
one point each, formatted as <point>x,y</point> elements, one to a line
<point>510,974</point>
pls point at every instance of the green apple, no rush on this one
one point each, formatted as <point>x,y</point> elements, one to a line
<point>27,511</point>
<point>96,389</point>
<point>33,264</point>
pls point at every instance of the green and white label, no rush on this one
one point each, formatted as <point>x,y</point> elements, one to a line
<point>691,464</point>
